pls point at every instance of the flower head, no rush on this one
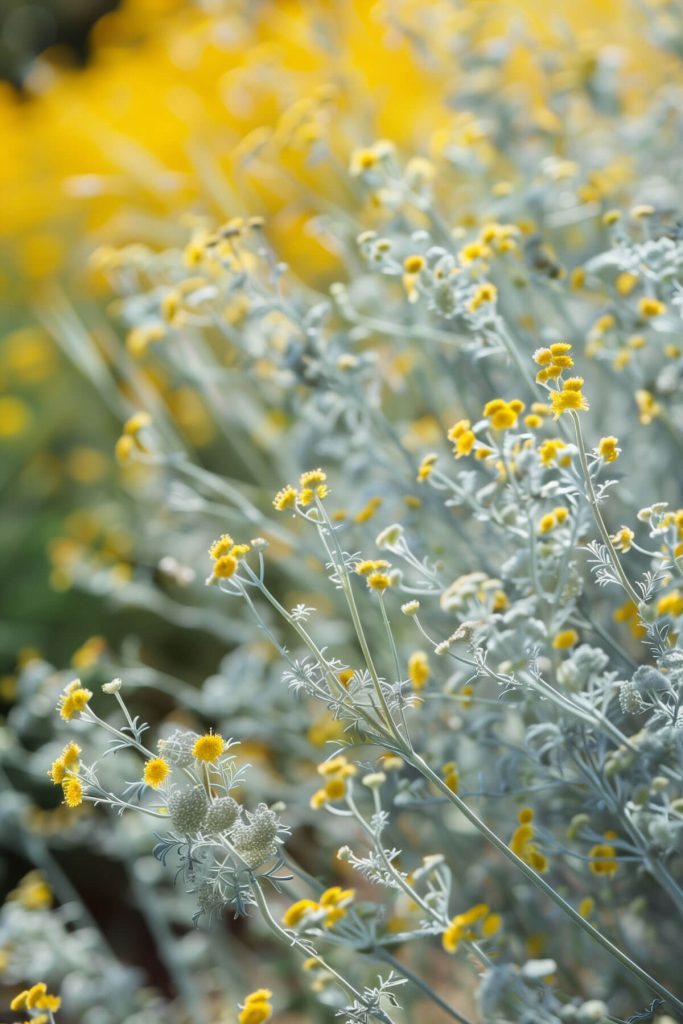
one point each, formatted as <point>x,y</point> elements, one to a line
<point>156,770</point>
<point>208,748</point>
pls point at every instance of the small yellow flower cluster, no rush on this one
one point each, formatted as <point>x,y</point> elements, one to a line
<point>521,842</point>
<point>256,1008</point>
<point>570,398</point>
<point>312,485</point>
<point>375,573</point>
<point>63,772</point>
<point>336,772</point>
<point>603,856</point>
<point>156,771</point>
<point>462,927</point>
<point>418,669</point>
<point>73,699</point>
<point>552,519</point>
<point>503,415</point>
<point>608,450</point>
<point>485,294</point>
<point>648,406</point>
<point>226,555</point>
<point>553,360</point>
<point>131,440</point>
<point>549,451</point>
<point>462,438</point>
<point>671,604</point>
<point>331,907</point>
<point>36,998</point>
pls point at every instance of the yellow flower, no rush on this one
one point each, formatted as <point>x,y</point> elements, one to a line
<point>607,448</point>
<point>418,669</point>
<point>503,414</point>
<point>484,294</point>
<point>208,748</point>
<point>156,771</point>
<point>546,523</point>
<point>414,264</point>
<point>549,450</point>
<point>285,498</point>
<point>461,927</point>
<point>256,1008</point>
<point>567,638</point>
<point>57,771</point>
<point>650,307</point>
<point>648,406</point>
<point>312,478</point>
<point>224,567</point>
<point>73,700</point>
<point>378,581</point>
<point>623,539</point>
<point>73,791</point>
<point>221,546</point>
<point>602,859</point>
<point>426,467</point>
<point>570,397</point>
<point>297,911</point>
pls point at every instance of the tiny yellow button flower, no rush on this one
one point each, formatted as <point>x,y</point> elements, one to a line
<point>208,748</point>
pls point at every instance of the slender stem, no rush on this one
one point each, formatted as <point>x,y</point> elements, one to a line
<point>292,940</point>
<point>541,884</point>
<point>597,515</point>
<point>401,968</point>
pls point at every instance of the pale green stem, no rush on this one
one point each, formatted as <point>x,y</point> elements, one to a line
<point>541,884</point>
<point>597,515</point>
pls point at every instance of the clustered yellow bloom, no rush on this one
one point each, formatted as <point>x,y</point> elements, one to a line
<point>549,450</point>
<point>256,1008</point>
<point>462,927</point>
<point>312,485</point>
<point>569,398</point>
<point>671,604</point>
<point>552,519</point>
<point>603,856</point>
<point>648,406</point>
<point>63,772</point>
<point>418,669</point>
<point>73,699</point>
<point>553,360</point>
<point>208,748</point>
<point>331,907</point>
<point>503,415</point>
<point>485,293</point>
<point>608,450</point>
<point>462,437</point>
<point>131,439</point>
<point>336,771</point>
<point>36,998</point>
<point>521,842</point>
<point>226,555</point>
<point>156,770</point>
